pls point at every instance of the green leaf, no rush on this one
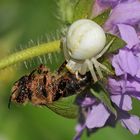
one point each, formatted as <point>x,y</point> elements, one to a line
<point>101,19</point>
<point>100,93</point>
<point>83,9</point>
<point>65,107</point>
<point>117,43</point>
<point>107,62</point>
<point>66,10</point>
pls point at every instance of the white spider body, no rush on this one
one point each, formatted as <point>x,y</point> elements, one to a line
<point>84,44</point>
<point>85,39</point>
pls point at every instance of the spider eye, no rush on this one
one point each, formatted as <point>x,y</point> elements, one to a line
<point>85,39</point>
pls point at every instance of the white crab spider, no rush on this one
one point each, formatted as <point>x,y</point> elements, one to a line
<point>84,44</point>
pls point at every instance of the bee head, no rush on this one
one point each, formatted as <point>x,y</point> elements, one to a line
<point>20,92</point>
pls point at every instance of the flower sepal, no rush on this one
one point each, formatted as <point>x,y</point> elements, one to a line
<point>83,9</point>
<point>102,18</point>
<point>101,94</point>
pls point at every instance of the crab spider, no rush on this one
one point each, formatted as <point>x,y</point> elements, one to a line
<point>84,44</point>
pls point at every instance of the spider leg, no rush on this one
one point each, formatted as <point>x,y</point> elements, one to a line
<point>91,69</point>
<point>101,65</point>
<point>66,54</point>
<point>105,49</point>
<point>73,66</point>
<point>83,68</point>
<point>97,67</point>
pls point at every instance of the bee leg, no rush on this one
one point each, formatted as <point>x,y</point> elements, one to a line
<point>42,69</point>
<point>31,74</point>
<point>61,68</point>
<point>44,80</point>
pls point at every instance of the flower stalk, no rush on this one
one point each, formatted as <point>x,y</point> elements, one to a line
<point>30,53</point>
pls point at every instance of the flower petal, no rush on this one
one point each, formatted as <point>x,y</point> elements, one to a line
<point>122,13</point>
<point>125,62</point>
<point>128,34</point>
<point>108,3</point>
<point>114,86</point>
<point>97,117</point>
<point>122,101</point>
<point>133,88</point>
<point>132,124</point>
<point>116,65</point>
<point>88,101</point>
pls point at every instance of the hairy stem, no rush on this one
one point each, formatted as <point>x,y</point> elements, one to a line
<point>30,53</point>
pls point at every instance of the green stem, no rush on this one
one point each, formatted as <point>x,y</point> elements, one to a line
<point>30,53</point>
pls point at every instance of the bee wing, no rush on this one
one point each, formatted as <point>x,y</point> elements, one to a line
<point>65,107</point>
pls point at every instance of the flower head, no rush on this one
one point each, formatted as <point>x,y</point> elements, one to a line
<point>125,84</point>
<point>93,114</point>
<point>128,59</point>
<point>122,14</point>
<point>121,92</point>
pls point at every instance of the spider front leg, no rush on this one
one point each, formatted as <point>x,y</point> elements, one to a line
<point>65,50</point>
<point>91,69</point>
<point>97,67</point>
<point>105,49</point>
<point>83,68</point>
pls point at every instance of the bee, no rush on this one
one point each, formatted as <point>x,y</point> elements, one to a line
<point>41,87</point>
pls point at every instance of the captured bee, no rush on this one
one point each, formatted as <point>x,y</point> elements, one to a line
<point>41,87</point>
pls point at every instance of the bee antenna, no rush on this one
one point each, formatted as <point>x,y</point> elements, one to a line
<point>9,103</point>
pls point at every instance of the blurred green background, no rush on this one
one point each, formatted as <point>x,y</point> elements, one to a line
<point>20,22</point>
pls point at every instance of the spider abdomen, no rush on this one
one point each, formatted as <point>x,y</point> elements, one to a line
<point>85,39</point>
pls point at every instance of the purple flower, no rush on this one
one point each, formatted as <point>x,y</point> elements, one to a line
<point>124,13</point>
<point>93,114</point>
<point>109,3</point>
<point>130,122</point>
<point>121,92</point>
<point>129,35</point>
<point>122,62</point>
<point>101,5</point>
<point>124,21</point>
<point>97,116</point>
<point>128,59</point>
